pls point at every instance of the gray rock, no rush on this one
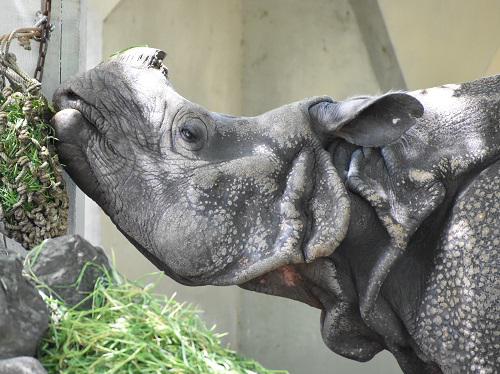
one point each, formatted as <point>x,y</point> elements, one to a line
<point>21,365</point>
<point>10,246</point>
<point>59,264</point>
<point>23,314</point>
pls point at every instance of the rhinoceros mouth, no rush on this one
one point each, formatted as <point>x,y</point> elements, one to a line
<point>74,133</point>
<point>66,100</point>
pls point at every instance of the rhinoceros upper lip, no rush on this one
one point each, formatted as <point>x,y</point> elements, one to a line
<point>68,99</point>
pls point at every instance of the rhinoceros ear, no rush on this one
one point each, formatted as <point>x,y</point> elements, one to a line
<point>367,121</point>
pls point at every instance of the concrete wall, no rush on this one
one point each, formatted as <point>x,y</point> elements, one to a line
<point>443,41</point>
<point>247,56</point>
<point>494,66</point>
<point>293,49</point>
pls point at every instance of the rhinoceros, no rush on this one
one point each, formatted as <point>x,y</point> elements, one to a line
<point>382,211</point>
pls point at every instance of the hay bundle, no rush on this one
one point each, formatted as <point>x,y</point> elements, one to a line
<point>131,330</point>
<point>33,199</point>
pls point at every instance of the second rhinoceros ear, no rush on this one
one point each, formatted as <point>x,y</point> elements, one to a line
<point>367,121</point>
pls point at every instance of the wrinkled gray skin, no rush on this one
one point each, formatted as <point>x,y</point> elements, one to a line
<point>381,211</point>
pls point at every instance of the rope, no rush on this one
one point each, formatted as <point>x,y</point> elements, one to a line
<point>9,69</point>
<point>33,198</point>
<point>23,35</point>
<point>39,32</point>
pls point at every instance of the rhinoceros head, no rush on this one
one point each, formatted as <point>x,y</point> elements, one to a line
<point>211,198</point>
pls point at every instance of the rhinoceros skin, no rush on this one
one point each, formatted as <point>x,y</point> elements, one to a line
<point>382,211</point>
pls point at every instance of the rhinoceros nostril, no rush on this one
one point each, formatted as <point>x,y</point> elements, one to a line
<point>71,95</point>
<point>64,98</point>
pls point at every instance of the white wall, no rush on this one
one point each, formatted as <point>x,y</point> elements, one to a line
<point>295,49</point>
<point>494,65</point>
<point>443,41</point>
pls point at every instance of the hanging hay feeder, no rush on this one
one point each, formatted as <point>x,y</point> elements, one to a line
<point>33,199</point>
<point>32,193</point>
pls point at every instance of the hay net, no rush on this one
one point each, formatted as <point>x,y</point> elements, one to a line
<point>33,198</point>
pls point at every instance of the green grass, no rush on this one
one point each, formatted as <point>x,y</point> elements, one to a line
<point>13,148</point>
<point>131,330</point>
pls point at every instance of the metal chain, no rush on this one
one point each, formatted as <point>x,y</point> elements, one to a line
<point>46,7</point>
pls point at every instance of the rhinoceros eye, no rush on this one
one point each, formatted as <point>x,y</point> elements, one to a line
<point>192,134</point>
<point>188,136</point>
